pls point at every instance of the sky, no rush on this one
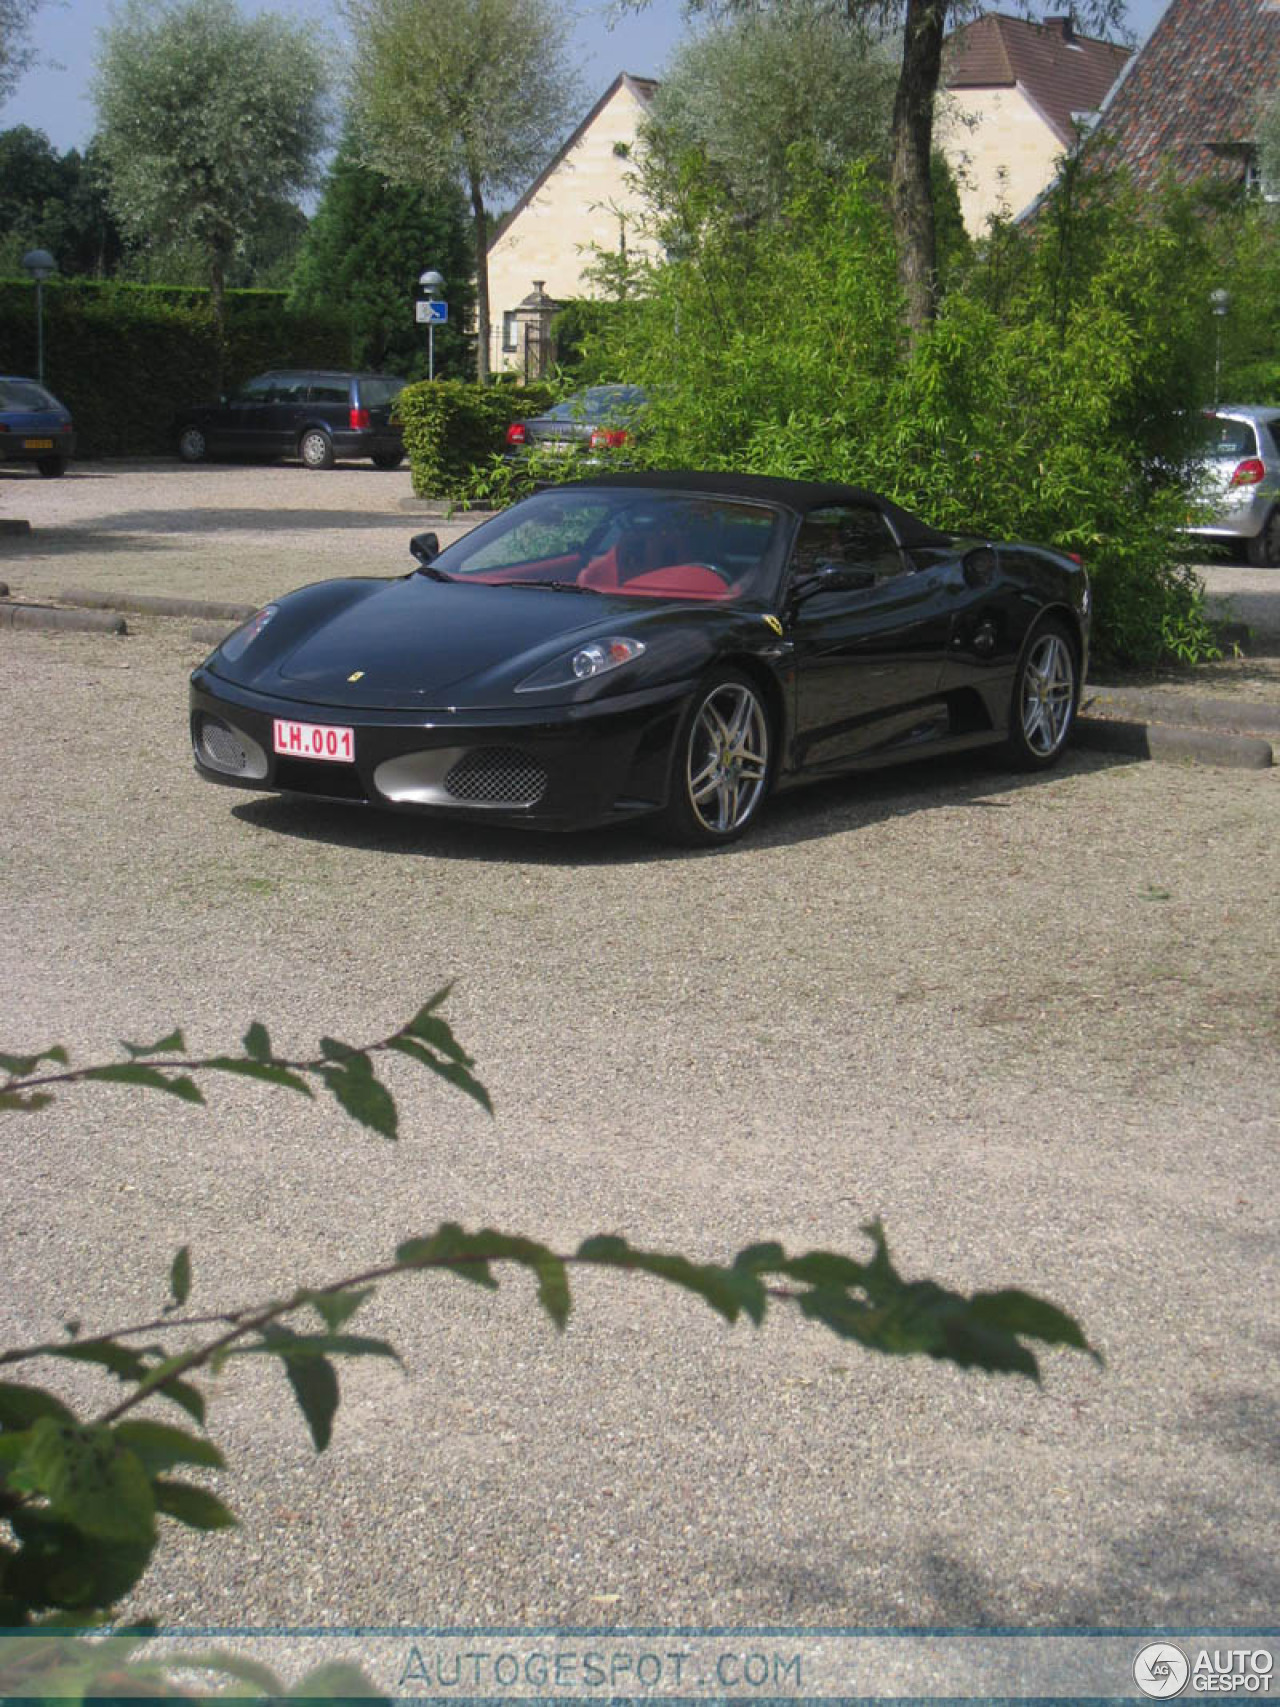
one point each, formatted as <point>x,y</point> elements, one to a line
<point>54,96</point>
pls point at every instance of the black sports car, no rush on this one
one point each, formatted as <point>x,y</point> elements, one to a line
<point>664,645</point>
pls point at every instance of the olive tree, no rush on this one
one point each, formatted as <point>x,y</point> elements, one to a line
<point>744,93</point>
<point>16,53</point>
<point>475,92</point>
<point>208,120</point>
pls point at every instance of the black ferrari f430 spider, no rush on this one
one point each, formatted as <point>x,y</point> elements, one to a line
<point>663,646</point>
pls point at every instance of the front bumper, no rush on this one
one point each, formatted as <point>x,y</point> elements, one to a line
<point>551,768</point>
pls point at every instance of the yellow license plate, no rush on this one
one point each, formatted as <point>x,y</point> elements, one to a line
<point>37,444</point>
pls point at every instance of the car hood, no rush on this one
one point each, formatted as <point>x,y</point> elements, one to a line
<point>418,644</point>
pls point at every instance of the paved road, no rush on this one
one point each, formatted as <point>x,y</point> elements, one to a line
<point>1032,1024</point>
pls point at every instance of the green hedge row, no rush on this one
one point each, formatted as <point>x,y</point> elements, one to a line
<point>452,427</point>
<point>126,358</point>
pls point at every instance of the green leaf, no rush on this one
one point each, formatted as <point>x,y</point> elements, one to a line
<point>362,1096</point>
<point>196,1507</point>
<point>134,1073</point>
<point>158,1447</point>
<point>448,1246</point>
<point>268,1071</point>
<point>314,1381</point>
<point>427,1026</point>
<point>173,1043</point>
<point>303,1346</point>
<point>20,1066</point>
<point>256,1042</point>
<point>182,1393</point>
<point>90,1479</point>
<point>121,1360</point>
<point>180,1276</point>
<point>824,1269</point>
<point>28,1100</point>
<point>727,1291</point>
<point>20,1406</point>
<point>458,1076</point>
<point>59,1566</point>
<point>334,1050</point>
<point>261,1678</point>
<point>337,1308</point>
<point>336,1680</point>
<point>1020,1312</point>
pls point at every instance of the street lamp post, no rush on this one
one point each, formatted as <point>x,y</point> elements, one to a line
<point>1219,302</point>
<point>430,284</point>
<point>40,264</point>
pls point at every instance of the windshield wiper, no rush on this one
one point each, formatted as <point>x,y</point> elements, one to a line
<point>431,572</point>
<point>555,586</point>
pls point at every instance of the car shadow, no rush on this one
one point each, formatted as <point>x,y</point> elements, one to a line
<point>211,521</point>
<point>813,813</point>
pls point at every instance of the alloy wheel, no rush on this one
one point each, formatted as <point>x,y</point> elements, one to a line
<point>727,759</point>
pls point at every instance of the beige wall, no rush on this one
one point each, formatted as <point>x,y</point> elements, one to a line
<point>1004,131</point>
<point>585,203</point>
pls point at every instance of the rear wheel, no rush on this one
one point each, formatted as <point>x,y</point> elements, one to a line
<point>1046,691</point>
<point>192,445</point>
<point>52,467</point>
<point>388,458</point>
<point>723,763</point>
<point>315,447</point>
<point>1264,547</point>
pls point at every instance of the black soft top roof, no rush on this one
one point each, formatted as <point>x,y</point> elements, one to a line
<point>798,495</point>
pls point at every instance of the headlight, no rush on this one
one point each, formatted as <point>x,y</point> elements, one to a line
<point>596,658</point>
<point>236,644</point>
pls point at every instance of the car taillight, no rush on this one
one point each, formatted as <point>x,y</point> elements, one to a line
<point>516,434</point>
<point>607,437</point>
<point>359,419</point>
<point>1249,472</point>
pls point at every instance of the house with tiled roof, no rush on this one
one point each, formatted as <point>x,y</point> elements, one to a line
<point>583,203</point>
<point>1017,90</point>
<point>1187,104</point>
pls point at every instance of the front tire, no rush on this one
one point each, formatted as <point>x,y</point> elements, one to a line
<point>1263,549</point>
<point>315,447</point>
<point>52,467</point>
<point>1046,692</point>
<point>722,764</point>
<point>192,445</point>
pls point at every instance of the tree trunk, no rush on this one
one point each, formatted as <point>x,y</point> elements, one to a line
<point>218,302</point>
<point>913,220</point>
<point>482,282</point>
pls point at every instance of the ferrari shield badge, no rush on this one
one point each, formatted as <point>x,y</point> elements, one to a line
<point>357,674</point>
<point>773,623</point>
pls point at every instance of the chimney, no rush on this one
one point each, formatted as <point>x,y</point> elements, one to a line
<point>1066,27</point>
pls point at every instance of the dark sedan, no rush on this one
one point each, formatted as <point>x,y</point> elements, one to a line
<point>34,427</point>
<point>600,418</point>
<point>665,646</point>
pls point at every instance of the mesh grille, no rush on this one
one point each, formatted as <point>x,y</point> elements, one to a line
<point>222,747</point>
<point>496,776</point>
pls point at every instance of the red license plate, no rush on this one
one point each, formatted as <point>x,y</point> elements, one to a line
<point>37,444</point>
<point>314,741</point>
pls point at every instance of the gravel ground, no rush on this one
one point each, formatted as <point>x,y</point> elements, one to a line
<point>1033,1024</point>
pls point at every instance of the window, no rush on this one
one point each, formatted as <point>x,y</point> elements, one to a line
<point>330,390</point>
<point>853,536</point>
<point>510,330</point>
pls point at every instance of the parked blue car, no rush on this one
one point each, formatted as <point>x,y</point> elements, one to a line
<point>34,427</point>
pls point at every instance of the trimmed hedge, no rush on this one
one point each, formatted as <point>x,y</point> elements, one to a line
<point>452,427</point>
<point>126,358</point>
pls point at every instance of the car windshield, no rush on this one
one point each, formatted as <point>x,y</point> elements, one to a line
<point>24,394</point>
<point>598,403</point>
<point>1229,438</point>
<point>637,542</point>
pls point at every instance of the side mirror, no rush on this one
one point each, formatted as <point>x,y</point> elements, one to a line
<point>979,566</point>
<point>425,547</point>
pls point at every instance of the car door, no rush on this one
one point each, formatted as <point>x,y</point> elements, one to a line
<point>282,414</point>
<point>868,650</point>
<point>242,420</point>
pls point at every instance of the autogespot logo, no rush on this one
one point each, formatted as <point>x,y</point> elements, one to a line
<point>1161,1670</point>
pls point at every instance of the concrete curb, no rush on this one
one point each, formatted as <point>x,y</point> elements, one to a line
<point>1174,743</point>
<point>211,633</point>
<point>1149,705</point>
<point>50,616</point>
<point>155,604</point>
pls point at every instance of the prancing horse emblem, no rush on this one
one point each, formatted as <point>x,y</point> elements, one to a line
<point>356,674</point>
<point>774,624</point>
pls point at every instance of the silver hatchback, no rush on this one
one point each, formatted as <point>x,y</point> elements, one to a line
<point>1241,463</point>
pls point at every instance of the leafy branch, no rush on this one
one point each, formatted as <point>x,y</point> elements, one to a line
<point>82,1498</point>
<point>345,1070</point>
